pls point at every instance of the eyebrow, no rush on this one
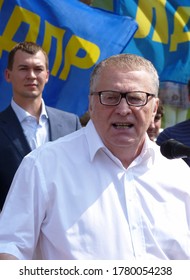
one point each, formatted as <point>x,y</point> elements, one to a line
<point>26,65</point>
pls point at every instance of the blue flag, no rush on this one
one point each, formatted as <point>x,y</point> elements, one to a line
<point>75,37</point>
<point>163,35</point>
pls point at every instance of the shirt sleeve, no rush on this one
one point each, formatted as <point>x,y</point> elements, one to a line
<point>23,211</point>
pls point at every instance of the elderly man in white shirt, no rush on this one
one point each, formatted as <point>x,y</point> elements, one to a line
<point>105,191</point>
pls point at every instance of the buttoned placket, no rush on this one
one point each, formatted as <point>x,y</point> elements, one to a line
<point>41,131</point>
<point>134,215</point>
<point>35,133</point>
<point>132,206</point>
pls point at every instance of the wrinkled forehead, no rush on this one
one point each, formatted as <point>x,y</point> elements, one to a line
<point>112,65</point>
<point>124,79</point>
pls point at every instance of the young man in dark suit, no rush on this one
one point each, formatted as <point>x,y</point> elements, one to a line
<point>27,122</point>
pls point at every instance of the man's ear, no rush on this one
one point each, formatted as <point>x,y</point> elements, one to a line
<point>155,108</point>
<point>90,103</point>
<point>47,77</point>
<point>7,75</point>
<point>156,104</point>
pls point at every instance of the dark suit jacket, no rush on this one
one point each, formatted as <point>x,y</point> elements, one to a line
<point>14,146</point>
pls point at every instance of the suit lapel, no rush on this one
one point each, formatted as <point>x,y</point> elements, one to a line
<point>12,128</point>
<point>55,125</point>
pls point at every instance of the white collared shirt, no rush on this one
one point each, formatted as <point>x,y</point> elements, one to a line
<point>86,205</point>
<point>37,133</point>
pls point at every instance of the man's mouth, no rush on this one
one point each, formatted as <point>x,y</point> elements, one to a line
<point>122,125</point>
<point>31,85</point>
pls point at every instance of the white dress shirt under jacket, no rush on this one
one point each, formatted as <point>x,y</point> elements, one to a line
<point>86,205</point>
<point>37,133</point>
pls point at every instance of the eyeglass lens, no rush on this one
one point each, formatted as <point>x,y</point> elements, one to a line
<point>114,98</point>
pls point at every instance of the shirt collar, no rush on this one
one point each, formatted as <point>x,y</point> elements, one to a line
<point>94,141</point>
<point>95,144</point>
<point>147,154</point>
<point>22,114</point>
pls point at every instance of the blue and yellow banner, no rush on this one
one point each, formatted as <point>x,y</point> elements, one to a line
<point>163,35</point>
<point>74,35</point>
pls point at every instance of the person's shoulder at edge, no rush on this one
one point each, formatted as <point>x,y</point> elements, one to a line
<point>57,110</point>
<point>167,132</point>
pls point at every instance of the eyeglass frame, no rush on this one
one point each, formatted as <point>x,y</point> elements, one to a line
<point>123,95</point>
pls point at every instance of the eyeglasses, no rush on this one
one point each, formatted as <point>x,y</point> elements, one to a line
<point>113,98</point>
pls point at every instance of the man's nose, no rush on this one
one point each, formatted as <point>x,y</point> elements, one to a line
<point>31,73</point>
<point>123,108</point>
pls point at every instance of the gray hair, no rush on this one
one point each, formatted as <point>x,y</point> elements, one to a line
<point>127,62</point>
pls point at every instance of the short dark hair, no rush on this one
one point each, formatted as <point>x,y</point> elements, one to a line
<point>28,47</point>
<point>160,111</point>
